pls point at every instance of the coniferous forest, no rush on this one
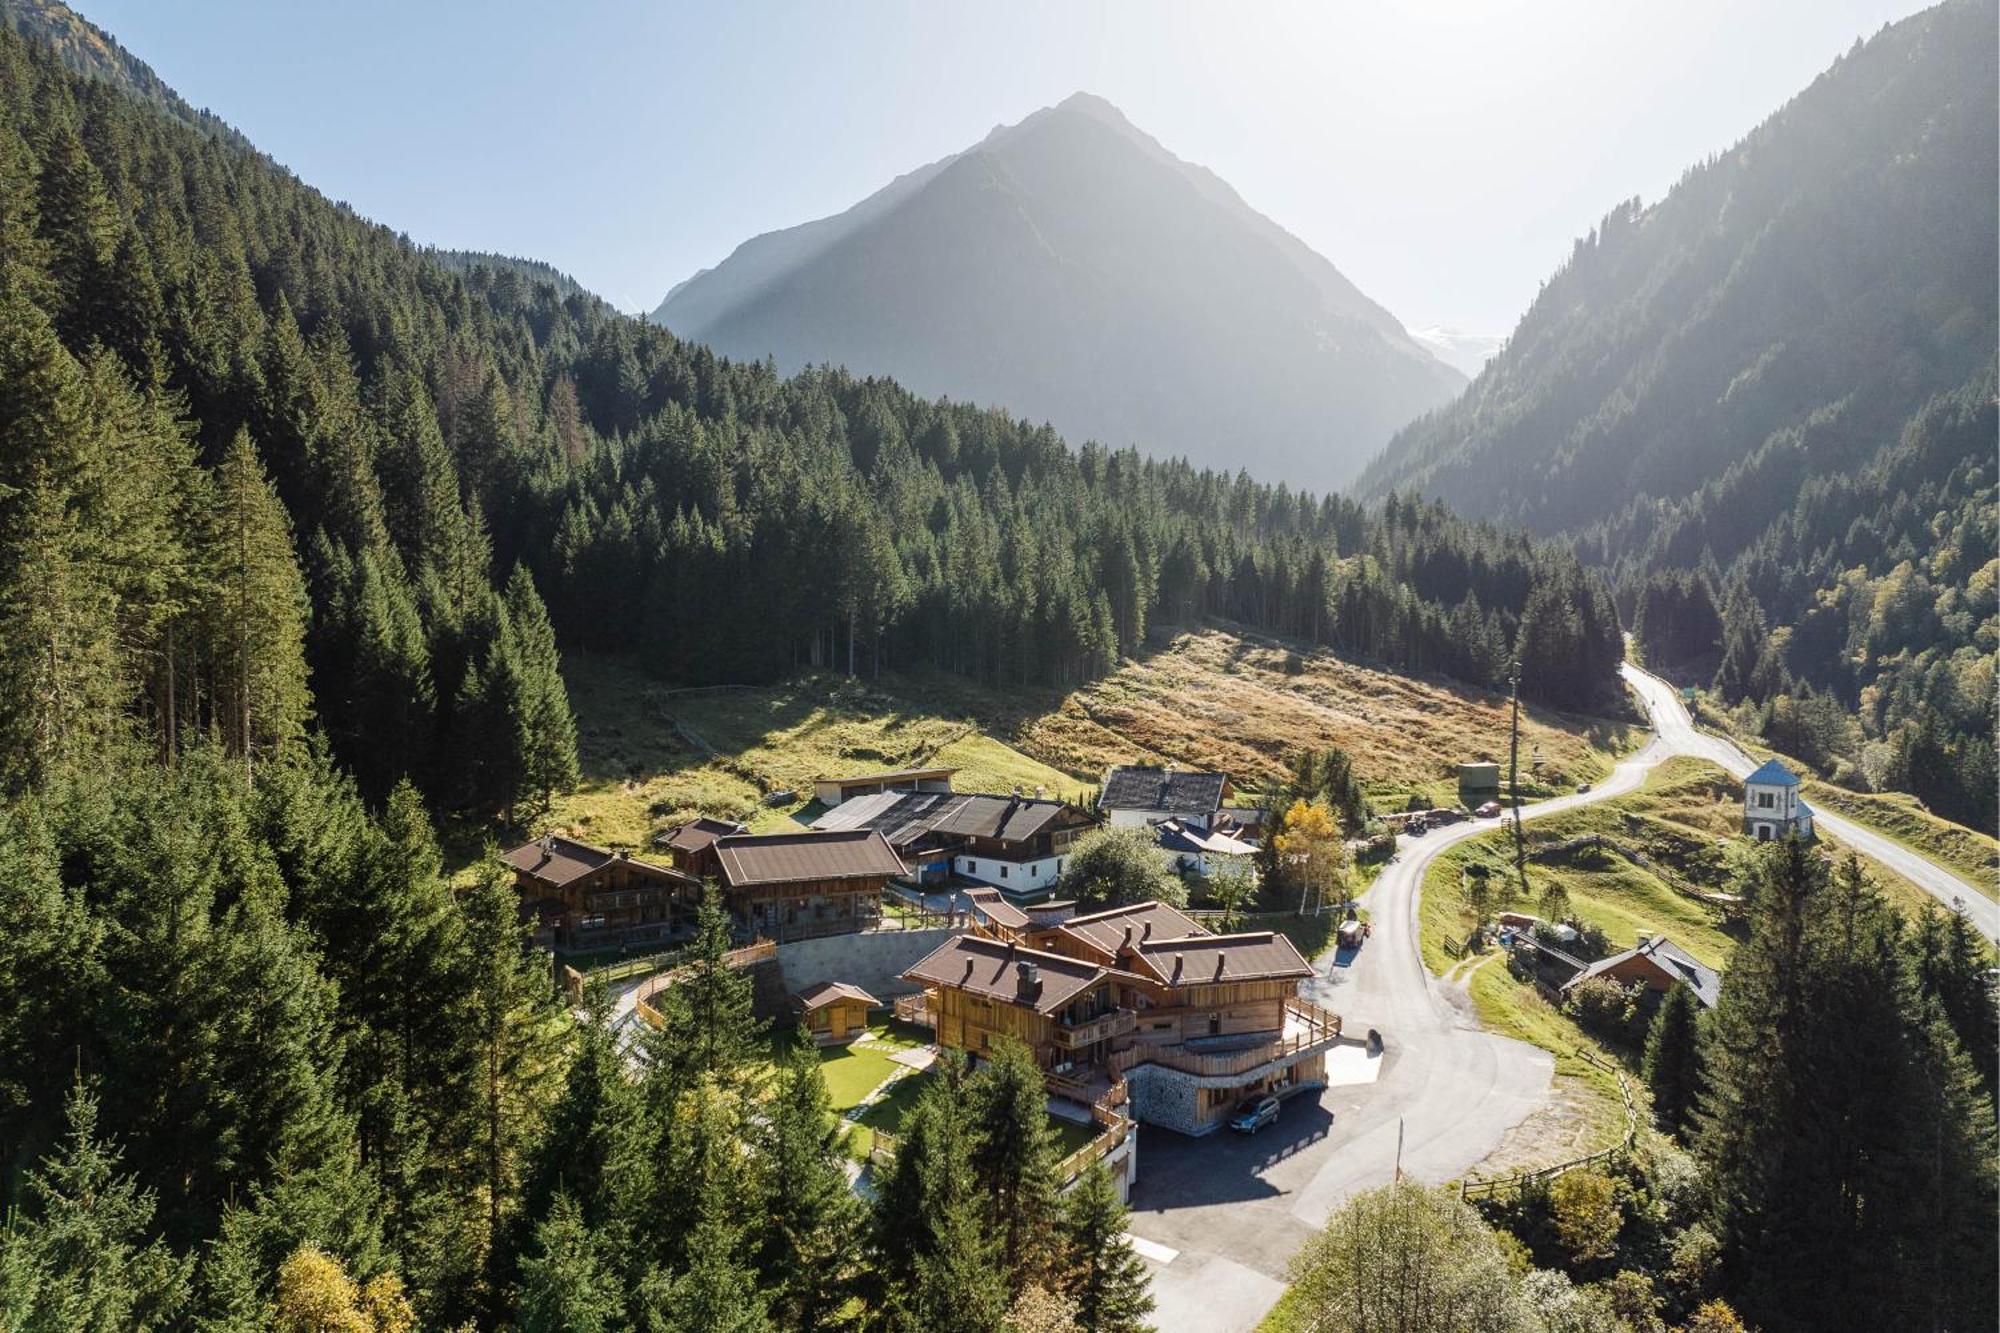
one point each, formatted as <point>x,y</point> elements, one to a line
<point>297,521</point>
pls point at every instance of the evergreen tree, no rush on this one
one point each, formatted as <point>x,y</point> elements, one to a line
<point>1673,1061</point>
<point>566,1284</point>
<point>84,1258</point>
<point>811,1223</point>
<point>1107,1280</point>
<point>257,618</point>
<point>1014,1161</point>
<point>707,1026</point>
<point>545,728</point>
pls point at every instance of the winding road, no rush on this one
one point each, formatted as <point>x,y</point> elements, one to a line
<point>1219,1217</point>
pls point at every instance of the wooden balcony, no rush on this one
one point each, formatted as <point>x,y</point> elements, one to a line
<point>916,1009</point>
<point>1307,1028</point>
<point>1073,1037</point>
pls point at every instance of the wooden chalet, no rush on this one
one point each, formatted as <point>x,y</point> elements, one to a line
<point>1188,1022</point>
<point>832,791</point>
<point>1016,844</point>
<point>584,897</point>
<point>795,886</point>
<point>691,846</point>
<point>834,1012</point>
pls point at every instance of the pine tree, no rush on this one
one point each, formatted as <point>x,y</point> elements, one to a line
<point>544,725</point>
<point>1106,1278</point>
<point>507,1027</point>
<point>707,1026</point>
<point>83,1258</point>
<point>257,618</point>
<point>1014,1161</point>
<point>1673,1061</point>
<point>811,1222</point>
<point>567,1285</point>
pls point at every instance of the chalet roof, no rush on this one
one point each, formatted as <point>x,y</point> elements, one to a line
<point>823,993</point>
<point>786,858</point>
<point>1106,930</point>
<point>904,816</point>
<point>992,969</point>
<point>894,775</point>
<point>697,833</point>
<point>1175,791</point>
<point>900,816</point>
<point>555,860</point>
<point>989,904</point>
<point>1197,960</point>
<point>1178,836</point>
<point>1676,963</point>
<point>1005,818</point>
<point>1773,774</point>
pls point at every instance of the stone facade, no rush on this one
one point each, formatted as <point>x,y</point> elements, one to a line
<point>874,961</point>
<point>1196,1104</point>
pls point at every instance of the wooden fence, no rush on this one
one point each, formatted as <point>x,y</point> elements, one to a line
<point>748,956</point>
<point>1486,1189</point>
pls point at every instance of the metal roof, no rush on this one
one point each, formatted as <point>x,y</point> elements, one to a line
<point>1773,774</point>
<point>1175,791</point>
<point>789,858</point>
<point>1200,960</point>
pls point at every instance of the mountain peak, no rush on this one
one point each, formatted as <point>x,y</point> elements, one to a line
<point>1071,269</point>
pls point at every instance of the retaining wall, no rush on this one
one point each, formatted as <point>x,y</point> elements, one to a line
<point>874,960</point>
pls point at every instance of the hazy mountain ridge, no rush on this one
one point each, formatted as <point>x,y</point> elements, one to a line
<point>1838,260</point>
<point>1069,267</point>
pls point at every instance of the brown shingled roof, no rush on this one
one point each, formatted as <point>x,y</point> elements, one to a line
<point>823,993</point>
<point>697,834</point>
<point>997,909</point>
<point>786,858</point>
<point>992,969</point>
<point>1198,960</point>
<point>1106,930</point>
<point>555,860</point>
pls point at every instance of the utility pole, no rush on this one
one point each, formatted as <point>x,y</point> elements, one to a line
<point>1514,773</point>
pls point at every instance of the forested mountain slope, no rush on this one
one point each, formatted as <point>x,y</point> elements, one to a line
<point>426,428</point>
<point>1778,380</point>
<point>1070,269</point>
<point>293,515</point>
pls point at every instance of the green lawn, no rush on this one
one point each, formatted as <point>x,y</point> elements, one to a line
<point>852,1072</point>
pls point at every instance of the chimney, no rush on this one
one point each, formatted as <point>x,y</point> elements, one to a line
<point>1128,938</point>
<point>1027,979</point>
<point>1220,960</point>
<point>1147,934</point>
<point>1180,959</point>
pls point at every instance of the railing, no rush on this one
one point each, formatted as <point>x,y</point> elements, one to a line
<point>759,951</point>
<point>1113,1024</point>
<point>915,1009</point>
<point>1486,1189</point>
<point>1314,1027</point>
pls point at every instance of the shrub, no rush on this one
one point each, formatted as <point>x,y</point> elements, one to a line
<point>1609,1010</point>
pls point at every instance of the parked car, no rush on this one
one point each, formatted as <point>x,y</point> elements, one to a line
<point>1417,826</point>
<point>1489,810</point>
<point>1254,1115</point>
<point>1582,787</point>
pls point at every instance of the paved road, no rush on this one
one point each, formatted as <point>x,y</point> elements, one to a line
<point>1677,730</point>
<point>1231,1211</point>
<point>1236,1209</point>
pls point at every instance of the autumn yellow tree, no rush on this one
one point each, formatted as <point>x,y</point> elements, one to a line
<point>315,1295</point>
<point>1311,855</point>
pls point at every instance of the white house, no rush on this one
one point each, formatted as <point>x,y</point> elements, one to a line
<point>1142,795</point>
<point>1772,806</point>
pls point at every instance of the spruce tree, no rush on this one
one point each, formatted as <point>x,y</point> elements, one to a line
<point>567,1284</point>
<point>707,1027</point>
<point>1014,1161</point>
<point>1101,1272</point>
<point>545,728</point>
<point>257,618</point>
<point>1673,1061</point>
<point>83,1257</point>
<point>810,1228</point>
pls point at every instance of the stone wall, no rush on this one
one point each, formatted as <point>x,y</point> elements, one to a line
<point>874,961</point>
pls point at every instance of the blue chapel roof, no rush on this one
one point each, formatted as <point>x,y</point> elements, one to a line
<point>1773,774</point>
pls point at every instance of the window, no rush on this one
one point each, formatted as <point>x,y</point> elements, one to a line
<point>1059,865</point>
<point>1003,872</point>
<point>972,867</point>
<point>1034,870</point>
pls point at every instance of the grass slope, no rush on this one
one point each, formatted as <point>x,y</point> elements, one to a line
<point>652,754</point>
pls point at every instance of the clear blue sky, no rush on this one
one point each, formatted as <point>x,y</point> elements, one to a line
<point>1442,154</point>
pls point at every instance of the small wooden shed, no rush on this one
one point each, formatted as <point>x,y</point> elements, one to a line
<point>834,1011</point>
